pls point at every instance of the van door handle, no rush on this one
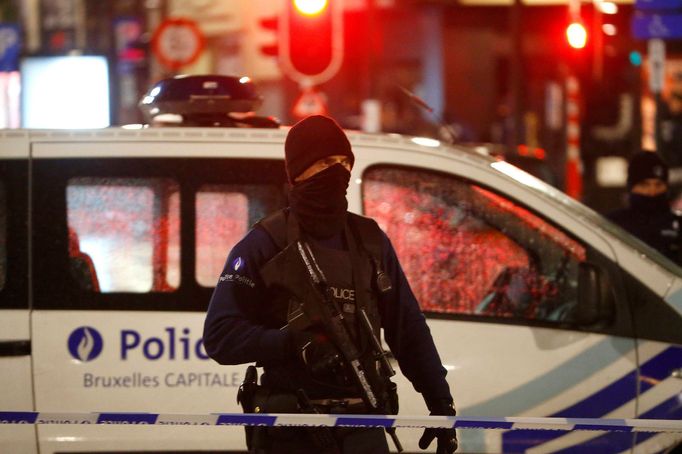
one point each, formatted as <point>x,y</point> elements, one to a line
<point>677,373</point>
<point>15,348</point>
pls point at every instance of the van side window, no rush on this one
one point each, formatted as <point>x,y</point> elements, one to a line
<point>3,236</point>
<point>224,214</point>
<point>124,234</point>
<point>467,250</point>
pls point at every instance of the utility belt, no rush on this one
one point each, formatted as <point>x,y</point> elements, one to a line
<point>352,405</point>
<point>255,398</point>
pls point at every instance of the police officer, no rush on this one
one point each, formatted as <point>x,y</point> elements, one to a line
<point>648,215</point>
<point>247,316</point>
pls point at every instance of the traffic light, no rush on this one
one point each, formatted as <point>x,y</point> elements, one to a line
<point>576,34</point>
<point>260,46</point>
<point>310,7</point>
<point>311,39</point>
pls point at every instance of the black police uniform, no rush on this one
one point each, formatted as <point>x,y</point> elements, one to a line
<point>245,318</point>
<point>670,134</point>
<point>654,223</point>
<point>647,217</point>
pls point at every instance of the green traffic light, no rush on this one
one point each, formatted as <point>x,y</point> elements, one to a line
<point>635,58</point>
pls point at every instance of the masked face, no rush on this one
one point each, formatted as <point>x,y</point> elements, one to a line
<point>649,204</point>
<point>319,202</point>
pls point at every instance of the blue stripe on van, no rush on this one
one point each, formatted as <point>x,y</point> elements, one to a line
<point>661,366</point>
<point>602,402</point>
<point>670,409</point>
<point>615,442</point>
<point>556,381</point>
<point>622,391</point>
<point>596,405</point>
<point>606,444</point>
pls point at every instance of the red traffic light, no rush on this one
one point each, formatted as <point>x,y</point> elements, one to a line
<point>576,34</point>
<point>310,7</point>
<point>311,39</point>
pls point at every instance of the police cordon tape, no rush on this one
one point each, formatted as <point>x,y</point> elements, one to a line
<point>346,420</point>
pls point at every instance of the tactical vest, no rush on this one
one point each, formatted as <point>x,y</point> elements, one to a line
<point>355,275</point>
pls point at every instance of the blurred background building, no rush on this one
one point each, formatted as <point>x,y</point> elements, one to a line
<point>502,74</point>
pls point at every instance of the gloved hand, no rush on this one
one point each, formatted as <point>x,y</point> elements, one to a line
<point>447,438</point>
<point>316,352</point>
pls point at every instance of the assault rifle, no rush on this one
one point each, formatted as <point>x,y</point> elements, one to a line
<point>319,307</point>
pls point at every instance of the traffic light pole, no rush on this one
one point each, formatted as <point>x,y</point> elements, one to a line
<point>371,43</point>
<point>598,47</point>
<point>656,60</point>
<point>371,106</point>
<point>516,75</point>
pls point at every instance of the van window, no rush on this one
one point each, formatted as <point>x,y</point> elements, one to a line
<point>224,214</point>
<point>124,234</point>
<point>467,250</point>
<point>3,236</point>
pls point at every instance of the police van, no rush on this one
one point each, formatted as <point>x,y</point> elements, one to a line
<point>113,239</point>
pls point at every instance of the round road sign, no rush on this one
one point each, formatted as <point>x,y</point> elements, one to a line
<point>177,42</point>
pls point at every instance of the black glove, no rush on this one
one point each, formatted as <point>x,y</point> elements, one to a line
<point>447,438</point>
<point>316,352</point>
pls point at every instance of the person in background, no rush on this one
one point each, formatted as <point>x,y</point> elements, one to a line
<point>648,215</point>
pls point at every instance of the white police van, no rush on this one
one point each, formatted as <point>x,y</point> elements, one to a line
<point>113,239</point>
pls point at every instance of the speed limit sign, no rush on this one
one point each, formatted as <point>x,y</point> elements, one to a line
<point>177,42</point>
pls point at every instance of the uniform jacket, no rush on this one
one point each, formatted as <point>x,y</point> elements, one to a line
<point>242,327</point>
<point>660,229</point>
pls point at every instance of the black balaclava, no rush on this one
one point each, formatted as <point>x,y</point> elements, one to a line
<point>319,202</point>
<point>649,204</point>
<point>645,165</point>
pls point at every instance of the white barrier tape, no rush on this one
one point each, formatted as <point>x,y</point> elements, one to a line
<point>285,419</point>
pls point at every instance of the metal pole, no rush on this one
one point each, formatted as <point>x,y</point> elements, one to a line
<point>516,75</point>
<point>371,106</point>
<point>371,43</point>
<point>656,59</point>
<point>598,34</point>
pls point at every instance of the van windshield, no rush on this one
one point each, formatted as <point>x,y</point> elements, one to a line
<point>587,213</point>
